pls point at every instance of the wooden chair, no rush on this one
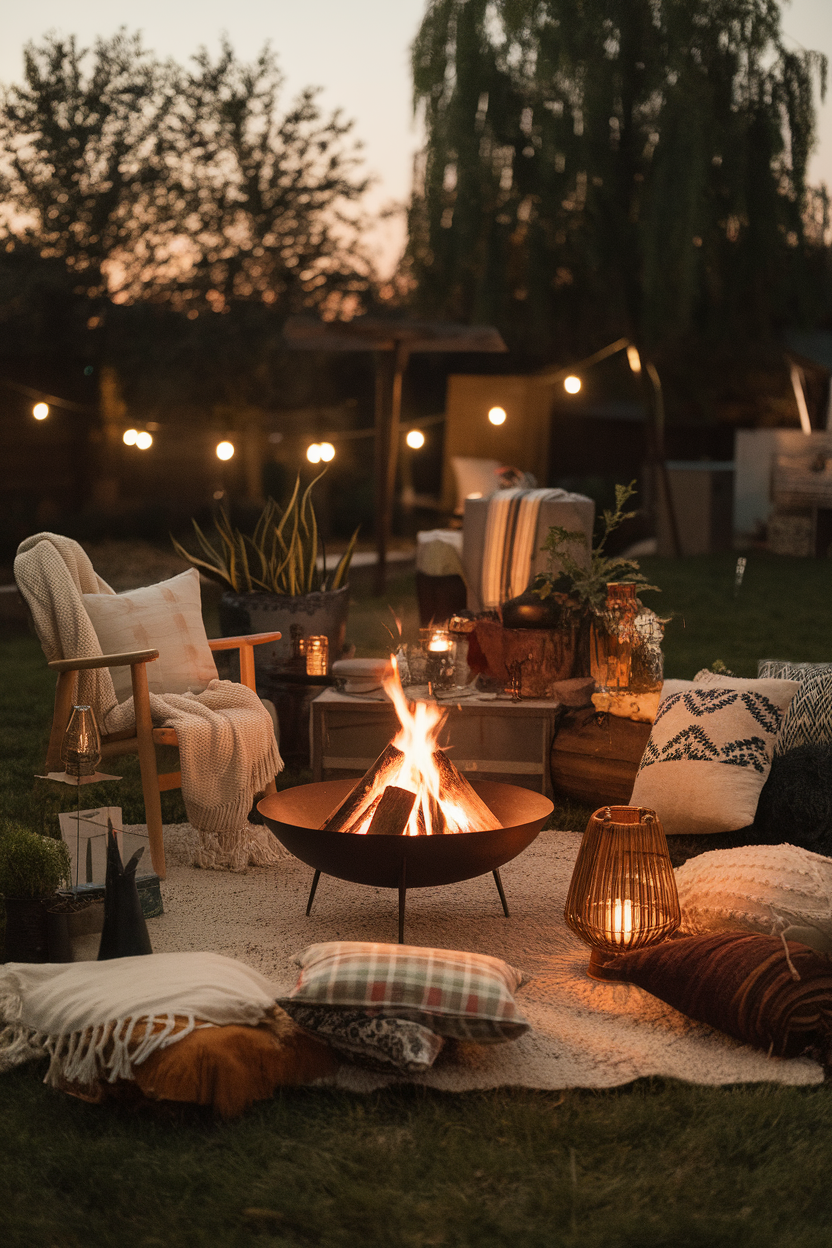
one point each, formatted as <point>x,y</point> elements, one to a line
<point>144,738</point>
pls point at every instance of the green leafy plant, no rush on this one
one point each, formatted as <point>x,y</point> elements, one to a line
<point>586,584</point>
<point>31,865</point>
<point>280,557</point>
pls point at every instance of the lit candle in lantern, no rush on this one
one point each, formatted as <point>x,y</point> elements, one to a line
<point>622,921</point>
<point>440,643</point>
<point>317,655</point>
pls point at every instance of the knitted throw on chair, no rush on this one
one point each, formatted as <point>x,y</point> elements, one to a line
<point>227,747</point>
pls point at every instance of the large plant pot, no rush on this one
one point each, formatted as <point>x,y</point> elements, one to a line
<point>26,930</point>
<point>322,612</point>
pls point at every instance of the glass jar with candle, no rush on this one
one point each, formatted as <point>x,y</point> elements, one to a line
<point>317,655</point>
<point>440,653</point>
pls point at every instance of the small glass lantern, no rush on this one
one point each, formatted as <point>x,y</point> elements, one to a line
<point>317,655</point>
<point>81,746</point>
<point>622,894</point>
<point>440,653</point>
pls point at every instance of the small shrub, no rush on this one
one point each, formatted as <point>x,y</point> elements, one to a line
<point>31,865</point>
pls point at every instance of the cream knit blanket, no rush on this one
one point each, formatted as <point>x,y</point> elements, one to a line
<point>227,747</point>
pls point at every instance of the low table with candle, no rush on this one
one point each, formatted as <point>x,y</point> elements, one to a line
<point>487,736</point>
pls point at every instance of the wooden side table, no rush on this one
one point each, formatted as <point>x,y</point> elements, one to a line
<point>500,740</point>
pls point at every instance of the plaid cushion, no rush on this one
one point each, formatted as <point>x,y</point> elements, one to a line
<point>465,995</point>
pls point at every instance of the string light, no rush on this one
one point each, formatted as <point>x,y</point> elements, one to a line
<point>129,437</point>
<point>327,452</point>
<point>572,384</point>
<point>225,450</point>
<point>313,453</point>
<point>633,358</point>
<point>40,411</point>
<point>497,415</point>
<point>144,440</point>
<point>415,439</point>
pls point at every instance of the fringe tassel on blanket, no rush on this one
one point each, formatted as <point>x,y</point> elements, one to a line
<point>106,1051</point>
<point>236,851</point>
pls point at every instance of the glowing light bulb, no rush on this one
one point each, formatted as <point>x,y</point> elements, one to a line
<point>497,415</point>
<point>572,385</point>
<point>633,358</point>
<point>225,450</point>
<point>327,452</point>
<point>129,437</point>
<point>313,453</point>
<point>40,411</point>
<point>415,439</point>
<point>144,440</point>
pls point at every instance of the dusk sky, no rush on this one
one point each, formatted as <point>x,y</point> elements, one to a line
<point>357,50</point>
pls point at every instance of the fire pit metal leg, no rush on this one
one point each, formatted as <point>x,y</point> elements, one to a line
<point>499,884</point>
<point>312,890</point>
<point>402,898</point>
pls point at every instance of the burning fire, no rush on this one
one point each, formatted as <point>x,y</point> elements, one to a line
<point>418,738</point>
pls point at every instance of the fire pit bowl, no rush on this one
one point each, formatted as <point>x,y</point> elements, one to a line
<point>403,862</point>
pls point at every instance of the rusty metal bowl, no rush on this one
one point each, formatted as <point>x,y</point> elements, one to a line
<point>403,862</point>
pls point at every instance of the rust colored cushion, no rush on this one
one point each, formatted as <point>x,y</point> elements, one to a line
<point>229,1068</point>
<point>742,984</point>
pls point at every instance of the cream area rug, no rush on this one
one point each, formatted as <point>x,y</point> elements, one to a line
<point>584,1033</point>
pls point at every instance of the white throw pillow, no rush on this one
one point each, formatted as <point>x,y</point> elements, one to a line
<point>710,752</point>
<point>759,888</point>
<point>166,617</point>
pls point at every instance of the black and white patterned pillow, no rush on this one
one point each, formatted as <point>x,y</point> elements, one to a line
<point>372,1039</point>
<point>809,718</point>
<point>782,669</point>
<point>709,754</point>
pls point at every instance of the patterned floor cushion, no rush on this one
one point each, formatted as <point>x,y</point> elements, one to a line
<point>710,752</point>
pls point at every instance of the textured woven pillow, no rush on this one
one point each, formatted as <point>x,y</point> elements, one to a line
<point>742,984</point>
<point>166,617</point>
<point>465,995</point>
<point>709,754</point>
<point>796,802</point>
<point>808,720</point>
<point>783,670</point>
<point>371,1039</point>
<point>772,889</point>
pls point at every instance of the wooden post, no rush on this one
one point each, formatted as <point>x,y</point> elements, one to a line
<point>390,366</point>
<point>147,766</point>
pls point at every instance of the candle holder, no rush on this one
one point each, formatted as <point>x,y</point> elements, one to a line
<point>81,746</point>
<point>622,894</point>
<point>440,656</point>
<point>317,655</point>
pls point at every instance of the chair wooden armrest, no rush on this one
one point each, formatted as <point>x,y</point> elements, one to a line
<point>245,645</point>
<point>104,660</point>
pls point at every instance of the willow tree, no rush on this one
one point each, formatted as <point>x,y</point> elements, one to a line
<point>599,167</point>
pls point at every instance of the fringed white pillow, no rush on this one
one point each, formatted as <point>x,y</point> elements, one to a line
<point>97,1020</point>
<point>772,889</point>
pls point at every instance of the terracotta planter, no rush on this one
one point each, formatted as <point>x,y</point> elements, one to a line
<point>322,612</point>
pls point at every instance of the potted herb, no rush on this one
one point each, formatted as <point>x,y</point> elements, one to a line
<point>573,598</point>
<point>272,578</point>
<point>32,868</point>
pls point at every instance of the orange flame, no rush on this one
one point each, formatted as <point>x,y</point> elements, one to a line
<point>417,738</point>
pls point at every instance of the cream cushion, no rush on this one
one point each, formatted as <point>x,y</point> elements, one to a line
<point>166,617</point>
<point>710,752</point>
<point>759,888</point>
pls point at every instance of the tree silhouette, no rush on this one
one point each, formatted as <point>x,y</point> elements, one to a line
<point>614,166</point>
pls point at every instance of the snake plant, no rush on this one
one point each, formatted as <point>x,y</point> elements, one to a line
<point>279,557</point>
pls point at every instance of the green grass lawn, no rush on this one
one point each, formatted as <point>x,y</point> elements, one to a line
<point>650,1165</point>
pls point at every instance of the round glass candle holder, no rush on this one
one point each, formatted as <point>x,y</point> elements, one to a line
<point>317,655</point>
